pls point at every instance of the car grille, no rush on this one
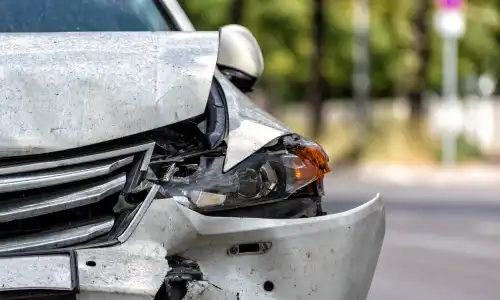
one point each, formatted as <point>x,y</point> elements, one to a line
<point>61,199</point>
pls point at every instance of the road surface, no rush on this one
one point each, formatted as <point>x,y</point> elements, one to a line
<point>440,243</point>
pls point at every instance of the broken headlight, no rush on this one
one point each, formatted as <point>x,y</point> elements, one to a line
<point>265,176</point>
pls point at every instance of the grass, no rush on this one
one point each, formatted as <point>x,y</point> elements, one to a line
<point>396,141</point>
<point>389,141</point>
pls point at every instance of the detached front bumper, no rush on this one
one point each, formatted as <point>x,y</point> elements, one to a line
<point>327,257</point>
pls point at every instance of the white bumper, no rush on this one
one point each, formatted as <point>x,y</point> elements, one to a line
<point>134,270</point>
<point>329,257</point>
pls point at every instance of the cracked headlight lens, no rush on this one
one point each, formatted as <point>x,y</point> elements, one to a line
<point>264,176</point>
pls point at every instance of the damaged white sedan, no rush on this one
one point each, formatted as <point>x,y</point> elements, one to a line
<point>133,166</point>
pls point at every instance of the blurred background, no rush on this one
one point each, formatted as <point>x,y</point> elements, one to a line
<point>404,96</point>
<point>333,66</point>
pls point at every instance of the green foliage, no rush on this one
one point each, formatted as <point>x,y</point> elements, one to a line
<point>283,29</point>
<point>466,151</point>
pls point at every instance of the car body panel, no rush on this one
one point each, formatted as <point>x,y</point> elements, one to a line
<point>177,15</point>
<point>65,90</point>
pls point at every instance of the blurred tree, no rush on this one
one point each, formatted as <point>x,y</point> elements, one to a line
<point>393,59</point>
<point>316,82</point>
<point>399,50</point>
<point>207,14</point>
<point>479,49</point>
<point>421,45</point>
<point>237,11</point>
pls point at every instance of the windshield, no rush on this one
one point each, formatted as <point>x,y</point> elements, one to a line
<point>80,15</point>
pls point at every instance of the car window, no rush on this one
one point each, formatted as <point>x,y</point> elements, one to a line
<point>81,15</point>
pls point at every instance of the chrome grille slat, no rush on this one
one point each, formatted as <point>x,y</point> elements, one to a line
<point>44,198</point>
<point>44,165</point>
<point>58,239</point>
<point>27,208</point>
<point>27,181</point>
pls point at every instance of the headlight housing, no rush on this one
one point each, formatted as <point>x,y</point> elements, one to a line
<point>268,175</point>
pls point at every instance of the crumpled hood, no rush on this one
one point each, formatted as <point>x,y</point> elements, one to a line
<point>66,90</point>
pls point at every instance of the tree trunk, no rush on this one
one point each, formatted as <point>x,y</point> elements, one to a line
<point>316,83</point>
<point>237,9</point>
<point>361,72</point>
<point>422,48</point>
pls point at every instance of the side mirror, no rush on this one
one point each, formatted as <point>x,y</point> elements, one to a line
<point>240,58</point>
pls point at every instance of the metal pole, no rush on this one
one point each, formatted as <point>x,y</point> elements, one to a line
<point>361,76</point>
<point>450,53</point>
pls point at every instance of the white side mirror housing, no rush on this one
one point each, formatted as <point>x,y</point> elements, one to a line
<point>240,57</point>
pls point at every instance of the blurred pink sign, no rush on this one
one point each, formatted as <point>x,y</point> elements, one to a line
<point>450,4</point>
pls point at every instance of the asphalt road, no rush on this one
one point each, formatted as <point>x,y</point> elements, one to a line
<point>440,243</point>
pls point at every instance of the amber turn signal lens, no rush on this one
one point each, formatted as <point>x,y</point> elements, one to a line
<point>312,154</point>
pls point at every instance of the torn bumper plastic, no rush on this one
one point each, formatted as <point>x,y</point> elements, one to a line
<point>135,270</point>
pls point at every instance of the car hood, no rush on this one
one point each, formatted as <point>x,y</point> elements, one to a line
<point>66,90</point>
